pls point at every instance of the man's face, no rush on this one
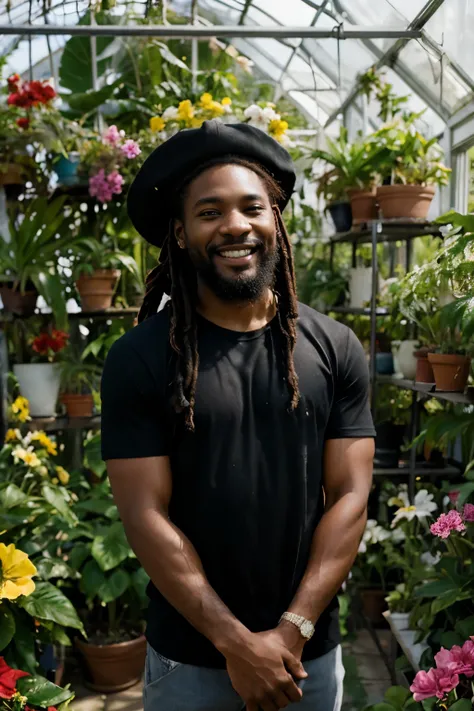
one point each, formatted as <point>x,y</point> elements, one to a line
<point>229,230</point>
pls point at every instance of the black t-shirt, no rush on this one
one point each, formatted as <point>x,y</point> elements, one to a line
<point>247,484</point>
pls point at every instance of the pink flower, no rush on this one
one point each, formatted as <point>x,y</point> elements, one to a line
<point>435,682</point>
<point>459,660</point>
<point>130,149</point>
<point>446,523</point>
<point>113,136</point>
<point>453,496</point>
<point>103,186</point>
<point>468,513</point>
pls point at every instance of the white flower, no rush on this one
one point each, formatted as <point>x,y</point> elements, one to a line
<point>245,63</point>
<point>232,52</point>
<point>445,229</point>
<point>429,559</point>
<point>170,113</point>
<point>423,506</point>
<point>398,535</point>
<point>260,117</point>
<point>374,533</point>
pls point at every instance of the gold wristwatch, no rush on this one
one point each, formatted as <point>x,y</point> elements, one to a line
<point>305,626</point>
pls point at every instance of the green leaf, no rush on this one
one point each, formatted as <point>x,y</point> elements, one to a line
<point>449,638</point>
<point>50,288</point>
<point>79,554</point>
<point>11,495</point>
<point>54,568</point>
<point>90,100</point>
<point>110,550</point>
<point>7,626</point>
<point>465,627</point>
<point>115,585</point>
<point>98,506</point>
<point>461,705</point>
<point>54,495</point>
<point>429,704</point>
<point>92,579</point>
<point>41,692</point>
<point>383,707</point>
<point>169,57</point>
<point>397,695</point>
<point>465,491</point>
<point>447,599</point>
<point>75,70</point>
<point>49,603</point>
<point>24,641</point>
<point>437,587</point>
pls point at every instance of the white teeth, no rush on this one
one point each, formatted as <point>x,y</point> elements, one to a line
<point>237,253</point>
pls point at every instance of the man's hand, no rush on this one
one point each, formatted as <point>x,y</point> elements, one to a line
<point>264,671</point>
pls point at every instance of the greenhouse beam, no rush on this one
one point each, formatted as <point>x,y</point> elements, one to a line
<point>190,32</point>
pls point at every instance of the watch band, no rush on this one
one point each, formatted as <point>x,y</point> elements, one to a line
<point>305,626</point>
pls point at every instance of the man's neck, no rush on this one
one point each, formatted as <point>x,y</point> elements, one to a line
<point>236,316</point>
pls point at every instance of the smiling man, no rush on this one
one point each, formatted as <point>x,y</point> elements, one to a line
<point>237,435</point>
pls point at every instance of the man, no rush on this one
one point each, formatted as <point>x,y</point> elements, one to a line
<point>237,436</point>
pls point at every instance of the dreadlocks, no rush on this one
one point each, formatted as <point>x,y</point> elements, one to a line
<point>175,275</point>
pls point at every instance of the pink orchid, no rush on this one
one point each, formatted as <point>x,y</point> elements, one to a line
<point>435,682</point>
<point>459,660</point>
<point>113,136</point>
<point>130,149</point>
<point>103,186</point>
<point>468,513</point>
<point>446,523</point>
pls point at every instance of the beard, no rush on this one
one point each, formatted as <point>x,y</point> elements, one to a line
<point>242,286</point>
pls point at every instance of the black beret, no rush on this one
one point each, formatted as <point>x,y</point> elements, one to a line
<point>166,168</point>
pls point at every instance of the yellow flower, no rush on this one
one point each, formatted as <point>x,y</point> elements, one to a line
<point>206,99</point>
<point>216,108</point>
<point>21,409</point>
<point>185,111</point>
<point>63,475</point>
<point>21,700</point>
<point>27,456</point>
<point>41,437</point>
<point>226,101</point>
<point>197,121</point>
<point>43,471</point>
<point>16,571</point>
<point>11,435</point>
<point>55,480</point>
<point>277,127</point>
<point>157,124</point>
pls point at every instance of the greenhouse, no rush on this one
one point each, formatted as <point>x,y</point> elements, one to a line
<point>236,341</point>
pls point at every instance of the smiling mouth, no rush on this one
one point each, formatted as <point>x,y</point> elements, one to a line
<point>234,253</point>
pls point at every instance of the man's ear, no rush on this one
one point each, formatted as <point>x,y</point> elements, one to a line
<point>179,233</point>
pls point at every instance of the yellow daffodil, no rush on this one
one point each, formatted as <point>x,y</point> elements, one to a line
<point>185,111</point>
<point>197,121</point>
<point>16,571</point>
<point>277,127</point>
<point>41,437</point>
<point>12,435</point>
<point>226,101</point>
<point>27,456</point>
<point>21,409</point>
<point>206,99</point>
<point>63,475</point>
<point>157,124</point>
<point>216,108</point>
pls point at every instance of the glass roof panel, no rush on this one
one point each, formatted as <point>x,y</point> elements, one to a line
<point>452,27</point>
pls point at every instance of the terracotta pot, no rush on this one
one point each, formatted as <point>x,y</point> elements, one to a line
<point>113,667</point>
<point>15,302</point>
<point>12,176</point>
<point>78,405</point>
<point>363,204</point>
<point>410,201</point>
<point>373,604</point>
<point>97,290</point>
<point>424,371</point>
<point>451,371</point>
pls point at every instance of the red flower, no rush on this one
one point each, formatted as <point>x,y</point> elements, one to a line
<point>8,679</point>
<point>58,340</point>
<point>13,82</point>
<point>45,342</point>
<point>41,344</point>
<point>20,99</point>
<point>23,122</point>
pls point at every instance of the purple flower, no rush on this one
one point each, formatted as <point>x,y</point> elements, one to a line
<point>130,149</point>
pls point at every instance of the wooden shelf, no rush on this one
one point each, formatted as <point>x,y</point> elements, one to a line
<point>56,424</point>
<point>388,231</point>
<point>427,389</point>
<point>381,311</point>
<point>106,313</point>
<point>447,471</point>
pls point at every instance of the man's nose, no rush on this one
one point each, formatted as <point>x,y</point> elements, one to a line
<point>235,224</point>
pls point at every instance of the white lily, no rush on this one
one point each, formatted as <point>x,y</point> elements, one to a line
<point>422,507</point>
<point>374,533</point>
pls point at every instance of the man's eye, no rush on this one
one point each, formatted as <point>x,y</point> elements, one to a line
<point>208,213</point>
<point>255,208</point>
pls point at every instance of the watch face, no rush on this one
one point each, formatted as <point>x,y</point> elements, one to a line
<point>307,629</point>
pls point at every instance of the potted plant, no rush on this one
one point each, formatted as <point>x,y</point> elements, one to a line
<point>97,273</point>
<point>78,380</point>
<point>28,257</point>
<point>357,166</point>
<point>451,359</point>
<point>392,414</point>
<point>414,167</point>
<point>39,379</point>
<point>113,586</point>
<point>360,279</point>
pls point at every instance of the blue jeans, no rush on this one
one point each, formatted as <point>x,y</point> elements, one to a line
<point>170,686</point>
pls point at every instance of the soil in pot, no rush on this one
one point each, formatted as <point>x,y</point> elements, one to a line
<point>97,290</point>
<point>363,205</point>
<point>424,370</point>
<point>451,371</point>
<point>409,201</point>
<point>78,405</point>
<point>388,443</point>
<point>341,214</point>
<point>373,605</point>
<point>14,302</point>
<point>113,667</point>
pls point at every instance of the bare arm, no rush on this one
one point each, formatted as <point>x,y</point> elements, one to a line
<point>348,465</point>
<point>258,664</point>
